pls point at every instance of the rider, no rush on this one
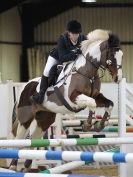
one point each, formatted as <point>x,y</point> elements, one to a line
<point>67,49</point>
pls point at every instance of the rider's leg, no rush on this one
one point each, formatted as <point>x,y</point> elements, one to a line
<point>39,97</point>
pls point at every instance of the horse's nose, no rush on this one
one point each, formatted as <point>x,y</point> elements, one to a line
<point>116,79</point>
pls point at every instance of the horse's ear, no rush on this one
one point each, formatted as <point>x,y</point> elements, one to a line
<point>113,40</point>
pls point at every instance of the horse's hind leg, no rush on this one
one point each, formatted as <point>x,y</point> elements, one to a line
<point>85,101</point>
<point>35,132</point>
<point>42,122</point>
<point>21,133</point>
<point>102,101</point>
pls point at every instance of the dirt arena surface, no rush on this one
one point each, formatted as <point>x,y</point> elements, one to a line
<point>104,171</point>
<point>3,163</point>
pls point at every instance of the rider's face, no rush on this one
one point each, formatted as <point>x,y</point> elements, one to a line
<point>73,36</point>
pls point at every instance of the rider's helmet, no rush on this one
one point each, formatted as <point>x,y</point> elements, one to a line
<point>74,26</point>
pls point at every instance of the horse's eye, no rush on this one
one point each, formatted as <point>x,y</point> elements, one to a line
<point>109,62</point>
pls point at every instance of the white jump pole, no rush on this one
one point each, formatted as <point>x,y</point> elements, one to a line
<point>122,122</point>
<point>58,127</point>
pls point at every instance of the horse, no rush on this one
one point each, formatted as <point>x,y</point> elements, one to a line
<point>77,87</point>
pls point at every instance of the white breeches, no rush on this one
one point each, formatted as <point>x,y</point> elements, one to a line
<point>50,62</point>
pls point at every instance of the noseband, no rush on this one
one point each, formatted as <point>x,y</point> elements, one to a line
<point>109,59</point>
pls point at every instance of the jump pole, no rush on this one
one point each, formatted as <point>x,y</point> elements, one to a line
<point>129,129</point>
<point>73,123</point>
<point>71,165</point>
<point>122,122</point>
<point>65,142</point>
<point>42,175</point>
<point>90,135</point>
<point>67,155</point>
<point>64,167</point>
<point>111,121</point>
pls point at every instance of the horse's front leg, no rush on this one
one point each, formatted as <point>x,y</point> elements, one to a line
<point>84,101</point>
<point>102,101</point>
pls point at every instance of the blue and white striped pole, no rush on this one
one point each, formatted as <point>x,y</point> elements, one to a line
<point>41,175</point>
<point>68,155</point>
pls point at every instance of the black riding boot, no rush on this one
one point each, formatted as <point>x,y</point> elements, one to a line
<point>39,97</point>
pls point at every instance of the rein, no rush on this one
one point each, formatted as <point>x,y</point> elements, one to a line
<point>66,75</point>
<point>92,79</point>
<point>99,66</point>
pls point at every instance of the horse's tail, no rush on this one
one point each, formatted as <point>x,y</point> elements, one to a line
<point>14,119</point>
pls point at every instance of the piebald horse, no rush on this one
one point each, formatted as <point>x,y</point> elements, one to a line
<point>78,84</point>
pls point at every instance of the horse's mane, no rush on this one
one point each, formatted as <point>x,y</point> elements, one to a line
<point>113,40</point>
<point>100,35</point>
<point>93,36</point>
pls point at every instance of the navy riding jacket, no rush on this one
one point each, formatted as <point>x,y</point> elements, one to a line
<point>63,52</point>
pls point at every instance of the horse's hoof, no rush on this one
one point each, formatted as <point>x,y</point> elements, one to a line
<point>24,170</point>
<point>86,126</point>
<point>99,126</point>
<point>13,167</point>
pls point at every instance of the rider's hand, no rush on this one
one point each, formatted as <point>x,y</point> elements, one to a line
<point>77,51</point>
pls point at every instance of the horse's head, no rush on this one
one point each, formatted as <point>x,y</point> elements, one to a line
<point>114,56</point>
<point>102,49</point>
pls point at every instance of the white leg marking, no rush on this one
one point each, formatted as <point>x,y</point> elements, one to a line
<point>35,131</point>
<point>21,131</point>
<point>109,109</point>
<point>85,101</point>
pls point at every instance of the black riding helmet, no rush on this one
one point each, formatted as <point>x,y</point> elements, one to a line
<point>74,26</point>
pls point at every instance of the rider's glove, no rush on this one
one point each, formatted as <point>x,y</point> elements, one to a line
<point>77,51</point>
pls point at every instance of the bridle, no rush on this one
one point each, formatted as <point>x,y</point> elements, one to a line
<point>109,60</point>
<point>97,65</point>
